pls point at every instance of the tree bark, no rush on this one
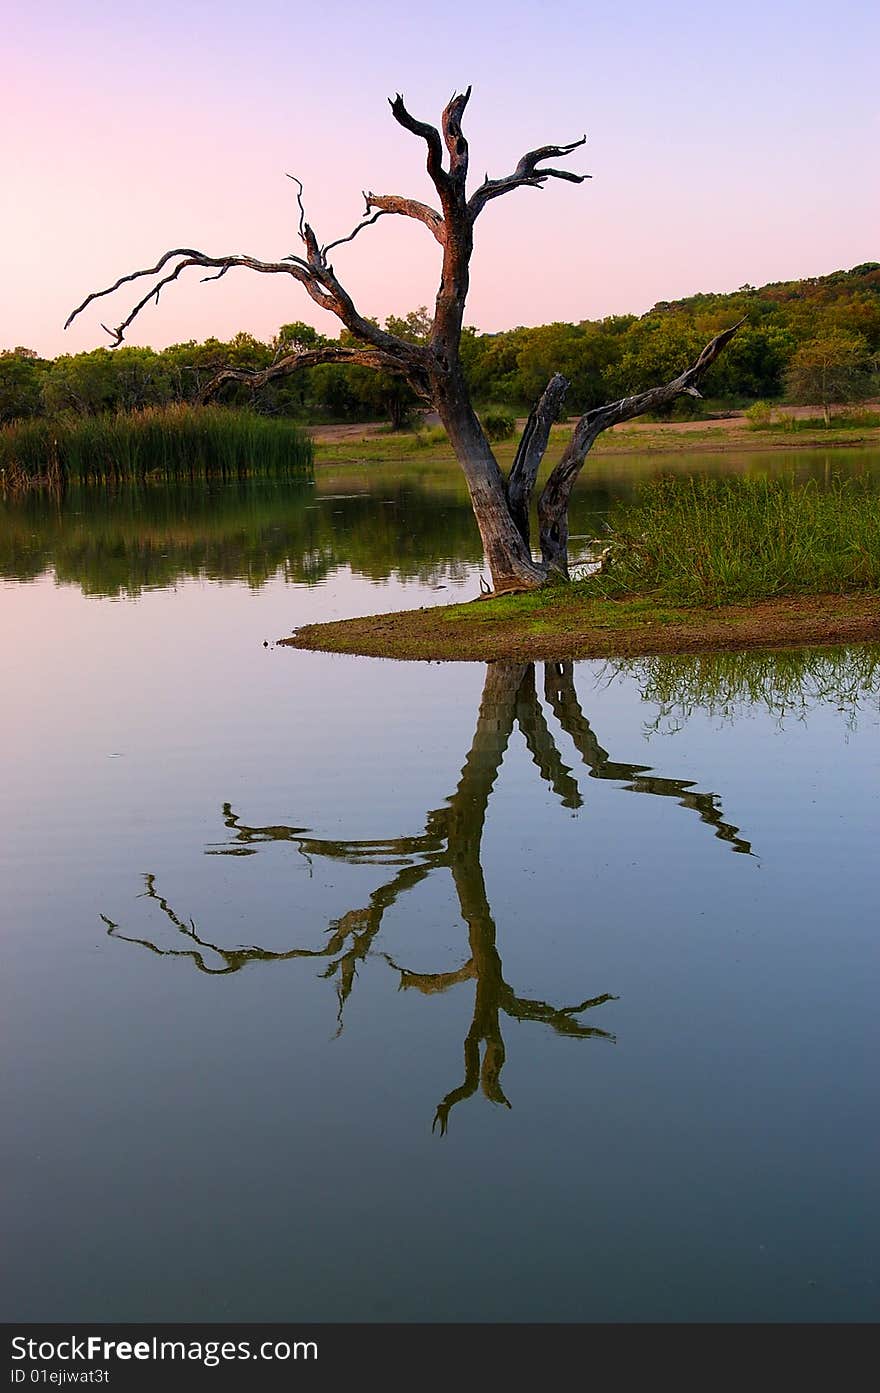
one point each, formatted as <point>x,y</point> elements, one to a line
<point>507,553</point>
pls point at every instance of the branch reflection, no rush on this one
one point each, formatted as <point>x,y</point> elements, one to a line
<point>451,839</point>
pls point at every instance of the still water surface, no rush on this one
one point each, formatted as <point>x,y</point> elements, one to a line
<point>341,989</point>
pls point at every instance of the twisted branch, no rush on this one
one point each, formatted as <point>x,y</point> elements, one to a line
<point>190,257</point>
<point>314,273</point>
<point>528,174</point>
<point>340,241</point>
<point>309,358</point>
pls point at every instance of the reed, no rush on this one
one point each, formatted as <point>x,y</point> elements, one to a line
<point>720,541</point>
<point>179,441</point>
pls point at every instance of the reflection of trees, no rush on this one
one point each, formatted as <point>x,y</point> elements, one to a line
<point>121,542</point>
<point>452,839</point>
<point>133,538</point>
<point>125,540</point>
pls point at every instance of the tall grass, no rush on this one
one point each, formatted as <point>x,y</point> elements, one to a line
<point>763,416</point>
<point>179,441</point>
<point>716,541</point>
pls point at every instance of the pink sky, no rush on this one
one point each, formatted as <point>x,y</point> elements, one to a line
<point>727,144</point>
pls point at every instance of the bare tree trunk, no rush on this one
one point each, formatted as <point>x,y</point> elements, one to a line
<point>507,553</point>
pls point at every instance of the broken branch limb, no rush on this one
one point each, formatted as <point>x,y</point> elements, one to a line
<point>530,452</point>
<point>453,135</point>
<point>429,134</point>
<point>554,500</point>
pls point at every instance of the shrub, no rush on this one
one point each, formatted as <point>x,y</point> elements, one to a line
<point>759,415</point>
<point>499,425</point>
<point>424,439</point>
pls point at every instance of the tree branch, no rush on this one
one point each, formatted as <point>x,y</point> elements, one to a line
<point>409,208</point>
<point>430,135</point>
<point>310,358</point>
<point>340,241</point>
<point>601,417</point>
<point>190,257</point>
<point>453,135</point>
<point>528,174</point>
<point>314,273</point>
<point>553,503</point>
<point>531,450</point>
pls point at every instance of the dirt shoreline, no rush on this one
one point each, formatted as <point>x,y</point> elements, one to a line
<point>571,628</point>
<point>731,433</point>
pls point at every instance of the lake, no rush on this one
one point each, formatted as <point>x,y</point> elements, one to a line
<point>340,989</point>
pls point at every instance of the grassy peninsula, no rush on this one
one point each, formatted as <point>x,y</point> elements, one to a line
<point>694,564</point>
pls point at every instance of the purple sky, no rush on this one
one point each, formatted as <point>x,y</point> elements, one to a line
<point>727,144</point>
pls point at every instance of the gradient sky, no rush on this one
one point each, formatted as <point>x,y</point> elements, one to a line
<point>727,143</point>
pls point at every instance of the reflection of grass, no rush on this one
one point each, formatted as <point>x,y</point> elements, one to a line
<point>166,442</point>
<point>788,683</point>
<point>721,541</point>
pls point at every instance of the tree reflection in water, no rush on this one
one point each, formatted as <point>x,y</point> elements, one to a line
<point>452,838</point>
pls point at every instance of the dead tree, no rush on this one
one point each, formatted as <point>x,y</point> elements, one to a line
<point>434,370</point>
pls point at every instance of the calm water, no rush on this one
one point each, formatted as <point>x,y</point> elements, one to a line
<point>341,989</point>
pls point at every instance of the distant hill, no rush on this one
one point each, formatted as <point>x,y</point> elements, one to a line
<point>602,359</point>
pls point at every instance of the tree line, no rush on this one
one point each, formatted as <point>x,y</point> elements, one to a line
<point>833,319</point>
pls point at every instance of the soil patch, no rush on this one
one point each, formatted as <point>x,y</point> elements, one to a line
<point>558,626</point>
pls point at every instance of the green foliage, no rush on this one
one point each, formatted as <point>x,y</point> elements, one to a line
<point>414,327</point>
<point>498,425</point>
<point>174,441</point>
<point>623,354</point>
<point>759,415</point>
<point>21,374</point>
<point>835,367</point>
<point>84,382</point>
<point>718,541</point>
<point>602,359</point>
<point>428,439</point>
